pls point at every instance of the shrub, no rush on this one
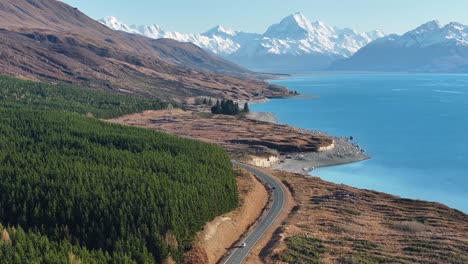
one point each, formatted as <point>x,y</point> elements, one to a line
<point>410,226</point>
<point>302,250</point>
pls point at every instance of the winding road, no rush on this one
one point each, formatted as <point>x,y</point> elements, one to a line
<point>239,254</point>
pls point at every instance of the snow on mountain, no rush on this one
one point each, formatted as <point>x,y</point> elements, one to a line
<point>114,23</point>
<point>220,31</point>
<point>152,31</point>
<point>431,47</point>
<point>218,42</point>
<point>433,33</point>
<point>294,35</point>
<point>293,40</point>
<point>295,26</point>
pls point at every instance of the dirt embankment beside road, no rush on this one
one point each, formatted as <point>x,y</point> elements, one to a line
<point>220,234</point>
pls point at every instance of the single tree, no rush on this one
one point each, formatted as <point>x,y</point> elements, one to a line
<point>217,109</point>
<point>246,108</point>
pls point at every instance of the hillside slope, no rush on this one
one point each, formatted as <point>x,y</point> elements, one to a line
<point>334,223</point>
<point>431,47</point>
<point>51,41</point>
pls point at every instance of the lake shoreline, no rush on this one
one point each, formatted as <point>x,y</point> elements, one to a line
<point>398,119</point>
<point>343,152</point>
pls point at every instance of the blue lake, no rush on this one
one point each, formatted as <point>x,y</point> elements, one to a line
<point>415,128</point>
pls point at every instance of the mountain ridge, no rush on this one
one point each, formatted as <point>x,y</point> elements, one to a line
<point>48,40</point>
<point>294,42</point>
<point>431,47</point>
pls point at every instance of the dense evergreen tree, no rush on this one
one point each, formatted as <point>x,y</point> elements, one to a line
<point>16,93</point>
<point>216,109</point>
<point>246,108</point>
<point>29,247</point>
<point>113,189</point>
<point>225,107</point>
<point>101,192</point>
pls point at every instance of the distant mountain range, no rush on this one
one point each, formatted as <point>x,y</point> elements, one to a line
<point>431,47</point>
<point>293,45</point>
<point>298,45</point>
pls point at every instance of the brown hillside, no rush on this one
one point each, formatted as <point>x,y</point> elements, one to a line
<point>335,223</point>
<point>51,41</point>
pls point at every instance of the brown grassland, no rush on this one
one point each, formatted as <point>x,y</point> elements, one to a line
<point>339,224</point>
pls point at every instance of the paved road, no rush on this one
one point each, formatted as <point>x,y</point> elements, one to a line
<point>238,255</point>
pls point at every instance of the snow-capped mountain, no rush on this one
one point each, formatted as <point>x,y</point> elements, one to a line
<point>115,24</point>
<point>296,35</point>
<point>432,47</point>
<point>434,33</point>
<point>221,31</point>
<point>218,40</point>
<point>294,44</point>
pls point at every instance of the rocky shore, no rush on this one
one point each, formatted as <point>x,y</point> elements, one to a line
<point>256,139</point>
<point>344,152</point>
<point>263,116</point>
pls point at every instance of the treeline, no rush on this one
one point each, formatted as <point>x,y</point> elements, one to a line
<point>16,93</point>
<point>114,190</point>
<point>18,246</point>
<point>228,107</point>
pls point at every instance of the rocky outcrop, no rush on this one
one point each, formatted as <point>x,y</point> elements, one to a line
<point>265,162</point>
<point>327,148</point>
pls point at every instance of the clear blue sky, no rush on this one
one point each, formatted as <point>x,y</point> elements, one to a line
<point>196,16</point>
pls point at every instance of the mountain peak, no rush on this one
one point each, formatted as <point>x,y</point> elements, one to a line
<point>114,23</point>
<point>293,26</point>
<point>220,30</point>
<point>298,16</point>
<point>433,32</point>
<point>430,34</point>
<point>110,20</point>
<point>431,47</point>
<point>456,26</point>
<point>298,19</point>
<point>429,26</point>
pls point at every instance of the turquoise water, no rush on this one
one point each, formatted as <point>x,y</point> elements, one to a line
<point>415,128</point>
